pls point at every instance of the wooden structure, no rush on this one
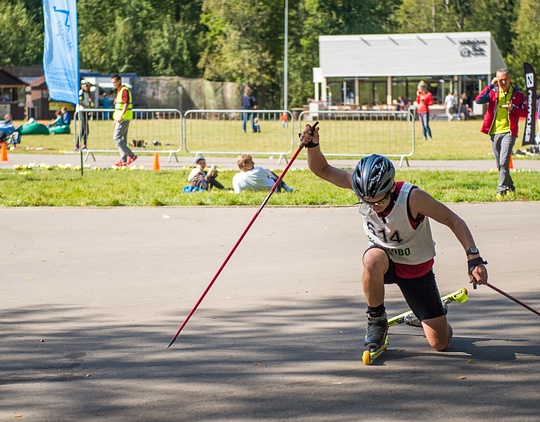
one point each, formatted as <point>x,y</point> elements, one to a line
<point>12,95</point>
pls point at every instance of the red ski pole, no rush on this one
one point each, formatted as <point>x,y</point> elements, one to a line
<point>278,181</point>
<point>519,302</point>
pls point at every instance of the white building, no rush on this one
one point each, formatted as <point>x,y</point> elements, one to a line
<point>376,69</point>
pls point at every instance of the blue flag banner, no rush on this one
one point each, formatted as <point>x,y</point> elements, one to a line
<point>61,50</point>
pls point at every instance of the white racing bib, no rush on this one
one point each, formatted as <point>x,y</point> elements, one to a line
<point>404,244</point>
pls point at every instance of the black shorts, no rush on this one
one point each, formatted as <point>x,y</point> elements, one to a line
<point>421,294</point>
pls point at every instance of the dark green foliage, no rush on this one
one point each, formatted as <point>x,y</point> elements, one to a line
<point>243,40</point>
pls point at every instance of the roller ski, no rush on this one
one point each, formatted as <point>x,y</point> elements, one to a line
<point>376,340</point>
<point>377,343</point>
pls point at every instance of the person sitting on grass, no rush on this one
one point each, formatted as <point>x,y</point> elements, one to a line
<point>255,178</point>
<point>8,130</point>
<point>66,118</point>
<point>57,121</point>
<point>202,179</point>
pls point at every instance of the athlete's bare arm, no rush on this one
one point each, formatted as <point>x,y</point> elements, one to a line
<point>422,203</point>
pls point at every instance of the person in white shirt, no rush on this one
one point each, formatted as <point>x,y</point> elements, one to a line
<point>449,105</point>
<point>255,178</point>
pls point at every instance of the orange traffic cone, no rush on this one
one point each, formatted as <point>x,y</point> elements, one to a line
<point>511,163</point>
<point>155,166</point>
<point>4,152</point>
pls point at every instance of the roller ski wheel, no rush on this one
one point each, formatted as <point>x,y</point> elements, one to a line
<point>370,355</point>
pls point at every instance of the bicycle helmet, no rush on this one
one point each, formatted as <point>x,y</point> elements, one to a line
<point>373,177</point>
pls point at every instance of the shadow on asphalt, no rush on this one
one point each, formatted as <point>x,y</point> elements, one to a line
<point>279,360</point>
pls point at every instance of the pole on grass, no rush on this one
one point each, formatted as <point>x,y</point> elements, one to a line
<point>259,210</point>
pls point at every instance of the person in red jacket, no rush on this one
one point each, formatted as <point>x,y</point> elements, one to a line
<point>424,99</point>
<point>506,104</point>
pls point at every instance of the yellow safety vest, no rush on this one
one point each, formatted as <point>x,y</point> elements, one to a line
<point>119,105</point>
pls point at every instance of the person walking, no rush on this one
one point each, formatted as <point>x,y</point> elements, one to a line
<point>424,99</point>
<point>248,103</point>
<point>506,104</point>
<point>123,114</point>
<point>396,220</point>
<point>449,105</point>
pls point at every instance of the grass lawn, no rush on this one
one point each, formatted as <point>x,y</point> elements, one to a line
<point>456,140</point>
<point>65,187</point>
<point>110,188</point>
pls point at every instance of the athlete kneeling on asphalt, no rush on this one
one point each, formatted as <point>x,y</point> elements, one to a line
<point>401,248</point>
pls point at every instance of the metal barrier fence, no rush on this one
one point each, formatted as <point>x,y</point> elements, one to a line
<point>255,132</point>
<point>232,132</point>
<point>151,130</point>
<point>361,133</point>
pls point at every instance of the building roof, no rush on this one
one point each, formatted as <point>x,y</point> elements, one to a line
<point>437,54</point>
<point>7,80</point>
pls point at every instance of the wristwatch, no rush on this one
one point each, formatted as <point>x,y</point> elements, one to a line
<point>473,251</point>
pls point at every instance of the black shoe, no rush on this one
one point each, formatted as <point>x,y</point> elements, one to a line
<point>376,332</point>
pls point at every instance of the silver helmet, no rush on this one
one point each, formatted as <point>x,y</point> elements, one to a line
<point>373,176</point>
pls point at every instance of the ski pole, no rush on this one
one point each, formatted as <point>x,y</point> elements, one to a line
<point>519,302</point>
<point>276,184</point>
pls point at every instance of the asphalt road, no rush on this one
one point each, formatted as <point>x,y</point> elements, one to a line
<point>229,162</point>
<point>90,299</point>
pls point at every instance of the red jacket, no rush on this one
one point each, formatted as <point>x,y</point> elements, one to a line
<point>489,95</point>
<point>423,107</point>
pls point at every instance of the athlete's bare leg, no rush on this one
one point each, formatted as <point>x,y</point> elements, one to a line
<point>438,332</point>
<point>376,264</point>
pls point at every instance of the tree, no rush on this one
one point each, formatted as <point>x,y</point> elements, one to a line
<point>241,42</point>
<point>432,15</point>
<point>148,37</point>
<point>496,16</point>
<point>22,42</point>
<point>526,44</point>
<point>311,18</point>
<point>170,51</point>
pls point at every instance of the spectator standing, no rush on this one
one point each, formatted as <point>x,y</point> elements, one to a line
<point>106,103</point>
<point>464,107</point>
<point>123,114</point>
<point>506,104</point>
<point>284,119</point>
<point>248,103</point>
<point>402,104</point>
<point>85,102</point>
<point>424,99</point>
<point>255,178</point>
<point>449,106</point>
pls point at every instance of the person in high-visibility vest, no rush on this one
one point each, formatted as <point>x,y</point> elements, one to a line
<point>123,114</point>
